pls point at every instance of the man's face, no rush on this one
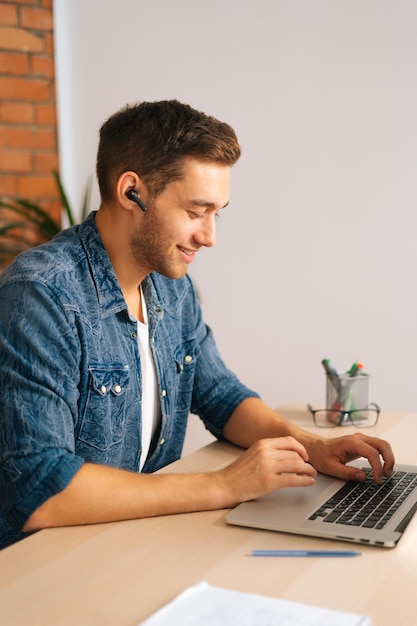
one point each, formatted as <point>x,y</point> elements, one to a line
<point>182,219</point>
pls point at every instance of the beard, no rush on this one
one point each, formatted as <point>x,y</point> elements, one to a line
<point>154,249</point>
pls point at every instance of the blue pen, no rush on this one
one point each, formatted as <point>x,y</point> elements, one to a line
<point>342,553</point>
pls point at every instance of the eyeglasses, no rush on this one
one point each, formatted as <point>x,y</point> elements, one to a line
<point>361,418</point>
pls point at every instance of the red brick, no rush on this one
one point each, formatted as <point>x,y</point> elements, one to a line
<point>11,137</point>
<point>19,39</point>
<point>45,162</point>
<point>15,137</point>
<point>8,14</point>
<point>28,2</point>
<point>36,19</point>
<point>48,44</point>
<point>16,112</point>
<point>16,162</point>
<point>14,63</point>
<point>45,139</point>
<point>28,136</point>
<point>43,66</point>
<point>23,89</point>
<point>37,187</point>
<point>8,185</point>
<point>46,114</point>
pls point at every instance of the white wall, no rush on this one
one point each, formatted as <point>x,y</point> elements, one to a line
<point>316,254</point>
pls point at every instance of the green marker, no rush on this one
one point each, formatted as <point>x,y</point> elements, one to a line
<point>331,373</point>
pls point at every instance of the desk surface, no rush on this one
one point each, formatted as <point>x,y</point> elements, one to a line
<point>120,573</point>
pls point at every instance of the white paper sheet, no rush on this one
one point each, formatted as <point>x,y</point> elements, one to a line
<point>205,605</point>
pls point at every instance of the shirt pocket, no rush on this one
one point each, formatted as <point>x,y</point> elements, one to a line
<point>105,413</point>
<point>185,358</point>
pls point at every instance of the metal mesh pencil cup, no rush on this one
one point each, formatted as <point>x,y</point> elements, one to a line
<point>349,393</point>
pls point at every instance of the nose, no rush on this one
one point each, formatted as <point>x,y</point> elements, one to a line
<point>206,233</point>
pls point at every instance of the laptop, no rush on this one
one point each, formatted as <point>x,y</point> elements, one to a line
<point>364,513</point>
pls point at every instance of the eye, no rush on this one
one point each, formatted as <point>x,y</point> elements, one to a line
<point>199,216</point>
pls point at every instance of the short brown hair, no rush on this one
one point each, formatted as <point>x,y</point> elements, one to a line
<point>154,138</point>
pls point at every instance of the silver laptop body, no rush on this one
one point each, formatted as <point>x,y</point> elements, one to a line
<point>289,510</point>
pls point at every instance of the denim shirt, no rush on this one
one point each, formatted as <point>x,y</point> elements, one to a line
<point>70,375</point>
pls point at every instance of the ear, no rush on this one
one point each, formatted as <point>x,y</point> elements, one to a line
<point>126,181</point>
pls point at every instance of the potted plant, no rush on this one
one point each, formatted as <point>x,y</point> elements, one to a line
<point>24,224</point>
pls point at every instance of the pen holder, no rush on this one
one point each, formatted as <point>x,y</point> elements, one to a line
<point>347,393</point>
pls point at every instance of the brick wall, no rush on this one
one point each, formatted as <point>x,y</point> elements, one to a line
<point>28,133</point>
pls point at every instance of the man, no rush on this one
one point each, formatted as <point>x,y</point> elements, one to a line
<point>103,351</point>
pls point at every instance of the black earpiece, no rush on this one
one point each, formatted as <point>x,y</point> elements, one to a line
<point>132,194</point>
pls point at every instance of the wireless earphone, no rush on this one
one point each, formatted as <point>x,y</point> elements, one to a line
<point>132,194</point>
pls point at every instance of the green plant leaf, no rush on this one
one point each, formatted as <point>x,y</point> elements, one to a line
<point>34,215</point>
<point>64,198</point>
<point>24,224</point>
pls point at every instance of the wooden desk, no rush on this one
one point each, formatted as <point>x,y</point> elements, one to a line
<point>120,573</point>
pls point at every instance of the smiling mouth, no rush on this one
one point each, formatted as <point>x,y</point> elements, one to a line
<point>187,252</point>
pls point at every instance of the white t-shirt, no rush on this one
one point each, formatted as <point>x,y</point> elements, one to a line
<point>151,409</point>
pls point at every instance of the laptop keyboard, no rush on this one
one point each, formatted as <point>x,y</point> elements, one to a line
<point>367,504</point>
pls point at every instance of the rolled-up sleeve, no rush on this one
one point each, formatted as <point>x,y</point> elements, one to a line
<point>38,399</point>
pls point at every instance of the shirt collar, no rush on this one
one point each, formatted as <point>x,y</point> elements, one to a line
<point>109,293</point>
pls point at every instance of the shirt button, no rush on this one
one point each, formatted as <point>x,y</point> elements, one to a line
<point>117,388</point>
<point>188,358</point>
<point>162,442</point>
<point>158,310</point>
<point>103,388</point>
<point>163,393</point>
<point>133,335</point>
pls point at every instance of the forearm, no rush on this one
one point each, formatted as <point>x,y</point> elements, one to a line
<point>253,420</point>
<point>99,494</point>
